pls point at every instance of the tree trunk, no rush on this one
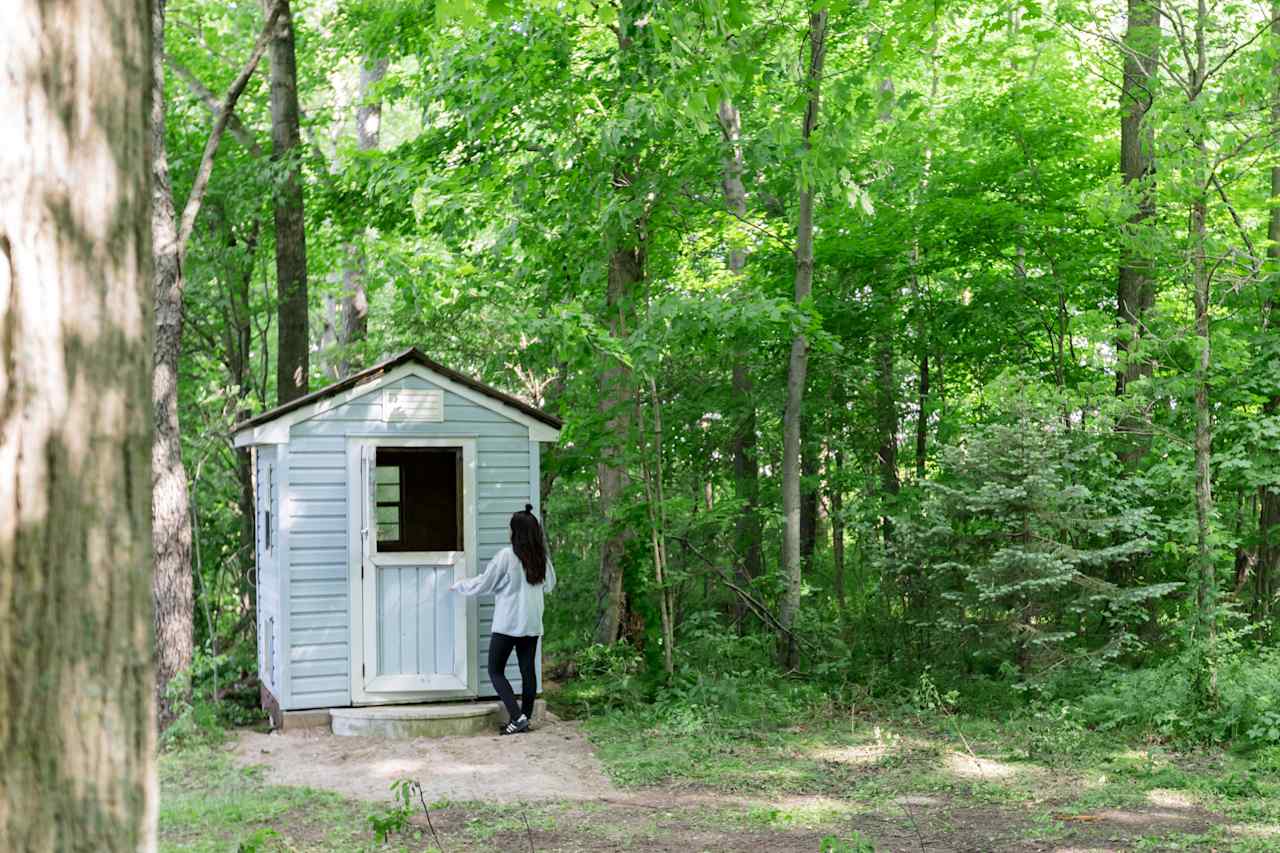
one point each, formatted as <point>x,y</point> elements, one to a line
<point>626,270</point>
<point>791,438</point>
<point>1269,513</point>
<point>837,524</point>
<point>658,533</point>
<point>1203,435</point>
<point>170,500</point>
<point>922,416</point>
<point>292,344</point>
<point>746,474</point>
<point>355,302</point>
<point>1206,588</point>
<point>77,700</point>
<point>808,495</point>
<point>887,417</point>
<point>885,354</point>
<point>1135,292</point>
<point>746,468</point>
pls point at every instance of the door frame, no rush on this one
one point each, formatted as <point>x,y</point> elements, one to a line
<point>363,609</point>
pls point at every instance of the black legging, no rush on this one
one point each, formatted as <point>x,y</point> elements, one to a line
<point>500,646</point>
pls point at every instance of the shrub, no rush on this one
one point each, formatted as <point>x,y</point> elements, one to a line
<point>199,698</point>
<point>1162,699</point>
<point>1008,558</point>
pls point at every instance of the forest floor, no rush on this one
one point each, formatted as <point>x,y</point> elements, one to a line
<point>857,785</point>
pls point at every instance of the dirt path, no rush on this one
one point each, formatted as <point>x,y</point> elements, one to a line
<point>553,763</point>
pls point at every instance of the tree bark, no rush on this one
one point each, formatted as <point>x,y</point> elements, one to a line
<point>798,366</point>
<point>837,524</point>
<point>626,270</point>
<point>355,270</point>
<point>746,467</point>
<point>170,500</point>
<point>1269,512</point>
<point>809,472</point>
<point>1206,587</point>
<point>886,355</point>
<point>171,528</point>
<point>292,343</point>
<point>77,702</point>
<point>922,416</point>
<point>658,533</point>
<point>1135,292</point>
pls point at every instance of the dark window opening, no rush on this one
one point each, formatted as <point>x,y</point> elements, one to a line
<point>417,498</point>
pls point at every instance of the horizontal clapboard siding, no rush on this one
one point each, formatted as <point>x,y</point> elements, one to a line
<point>318,517</point>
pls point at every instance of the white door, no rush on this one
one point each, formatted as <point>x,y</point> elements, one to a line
<point>416,536</point>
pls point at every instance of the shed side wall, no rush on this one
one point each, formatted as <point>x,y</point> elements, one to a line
<point>266,506</point>
<point>318,517</point>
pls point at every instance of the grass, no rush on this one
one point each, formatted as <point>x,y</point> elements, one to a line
<point>1055,784</point>
<point>696,779</point>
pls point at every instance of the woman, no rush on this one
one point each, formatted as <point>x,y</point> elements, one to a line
<point>517,577</point>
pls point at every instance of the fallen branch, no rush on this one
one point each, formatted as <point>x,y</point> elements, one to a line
<point>758,607</point>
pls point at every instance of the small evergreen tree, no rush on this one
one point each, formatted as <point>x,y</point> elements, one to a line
<point>1017,537</point>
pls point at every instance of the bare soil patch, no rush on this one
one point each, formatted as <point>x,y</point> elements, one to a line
<point>555,762</point>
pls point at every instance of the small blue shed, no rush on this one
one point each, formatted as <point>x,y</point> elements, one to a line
<point>373,495</point>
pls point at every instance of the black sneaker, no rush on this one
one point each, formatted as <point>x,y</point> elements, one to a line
<point>516,726</point>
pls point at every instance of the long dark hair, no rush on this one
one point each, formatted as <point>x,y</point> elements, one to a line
<point>530,547</point>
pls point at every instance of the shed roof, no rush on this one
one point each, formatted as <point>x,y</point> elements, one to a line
<point>371,373</point>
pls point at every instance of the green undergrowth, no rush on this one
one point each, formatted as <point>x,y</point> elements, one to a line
<point>1043,761</point>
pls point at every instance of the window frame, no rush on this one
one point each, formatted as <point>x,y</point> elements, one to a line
<point>398,503</point>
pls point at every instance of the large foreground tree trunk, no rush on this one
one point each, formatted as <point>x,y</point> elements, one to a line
<point>170,501</point>
<point>77,718</point>
<point>798,366</point>
<point>292,344</point>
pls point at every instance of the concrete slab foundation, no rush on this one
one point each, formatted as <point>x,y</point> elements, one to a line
<point>291,721</point>
<point>411,721</point>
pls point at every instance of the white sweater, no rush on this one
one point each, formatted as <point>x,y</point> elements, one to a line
<point>517,604</point>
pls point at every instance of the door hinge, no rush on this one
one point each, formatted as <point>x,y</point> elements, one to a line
<point>362,670</point>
